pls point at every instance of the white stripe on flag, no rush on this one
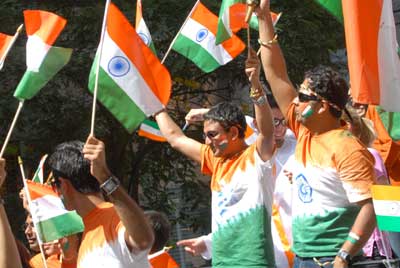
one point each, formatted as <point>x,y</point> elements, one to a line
<point>128,77</point>
<point>46,207</point>
<point>388,60</point>
<point>387,207</point>
<point>151,130</point>
<point>144,32</point>
<point>207,41</point>
<point>36,51</point>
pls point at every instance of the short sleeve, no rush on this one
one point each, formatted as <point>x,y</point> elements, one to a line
<point>207,159</point>
<point>132,256</point>
<point>357,174</point>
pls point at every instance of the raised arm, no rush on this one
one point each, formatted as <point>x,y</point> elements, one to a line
<point>9,256</point>
<point>273,61</point>
<point>139,234</point>
<point>176,138</point>
<point>264,142</point>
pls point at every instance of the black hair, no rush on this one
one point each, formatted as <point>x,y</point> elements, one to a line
<point>330,85</point>
<point>227,115</point>
<point>67,161</point>
<point>161,228</point>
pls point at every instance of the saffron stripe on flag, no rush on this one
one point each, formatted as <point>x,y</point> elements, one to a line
<point>45,25</point>
<point>147,64</point>
<point>386,192</point>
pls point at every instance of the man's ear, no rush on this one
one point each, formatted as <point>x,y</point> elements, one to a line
<point>64,185</point>
<point>324,106</point>
<point>234,132</point>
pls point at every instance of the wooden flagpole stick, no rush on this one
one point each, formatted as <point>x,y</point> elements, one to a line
<point>28,197</point>
<point>176,36</point>
<point>21,103</point>
<point>96,82</point>
<point>248,42</point>
<point>10,46</point>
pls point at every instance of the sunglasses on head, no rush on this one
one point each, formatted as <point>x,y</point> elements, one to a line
<point>306,98</point>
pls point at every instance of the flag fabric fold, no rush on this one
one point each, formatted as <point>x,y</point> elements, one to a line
<point>5,42</point>
<point>51,218</point>
<point>374,64</point>
<point>386,200</point>
<point>38,177</point>
<point>150,130</point>
<point>196,41</point>
<point>162,259</point>
<point>133,84</point>
<point>224,31</point>
<point>141,27</point>
<point>42,59</point>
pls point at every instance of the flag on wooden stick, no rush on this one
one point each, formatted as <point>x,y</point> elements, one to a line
<point>133,84</point>
<point>42,59</point>
<point>196,41</point>
<point>51,218</point>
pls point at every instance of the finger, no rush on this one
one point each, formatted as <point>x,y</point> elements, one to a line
<point>185,242</point>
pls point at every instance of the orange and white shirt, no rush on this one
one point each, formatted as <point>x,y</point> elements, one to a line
<point>242,192</point>
<point>332,171</point>
<point>103,242</point>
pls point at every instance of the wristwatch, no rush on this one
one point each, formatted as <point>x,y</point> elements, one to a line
<point>110,185</point>
<point>344,255</point>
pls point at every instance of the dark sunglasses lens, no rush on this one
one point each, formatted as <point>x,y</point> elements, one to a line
<point>278,122</point>
<point>305,97</point>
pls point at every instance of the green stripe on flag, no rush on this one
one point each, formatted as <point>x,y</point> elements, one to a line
<point>32,82</point>
<point>196,53</point>
<point>116,100</point>
<point>334,7</point>
<point>151,124</point>
<point>388,223</point>
<point>60,226</point>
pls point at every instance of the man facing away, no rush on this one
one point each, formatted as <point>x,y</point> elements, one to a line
<point>241,177</point>
<point>334,215</point>
<point>116,233</point>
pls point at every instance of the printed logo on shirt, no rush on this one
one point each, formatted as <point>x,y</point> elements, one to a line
<point>304,189</point>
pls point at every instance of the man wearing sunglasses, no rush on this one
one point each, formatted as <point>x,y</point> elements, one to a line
<point>333,171</point>
<point>241,176</point>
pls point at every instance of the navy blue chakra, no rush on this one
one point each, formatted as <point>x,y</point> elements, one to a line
<point>144,38</point>
<point>118,66</point>
<point>201,35</point>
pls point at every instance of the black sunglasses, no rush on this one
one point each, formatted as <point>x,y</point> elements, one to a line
<point>210,134</point>
<point>278,122</point>
<point>306,98</point>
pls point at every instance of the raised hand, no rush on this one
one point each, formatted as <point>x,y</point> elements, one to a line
<point>196,115</point>
<point>194,246</point>
<point>94,151</point>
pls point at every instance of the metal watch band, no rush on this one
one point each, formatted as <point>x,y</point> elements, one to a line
<point>110,185</point>
<point>344,255</point>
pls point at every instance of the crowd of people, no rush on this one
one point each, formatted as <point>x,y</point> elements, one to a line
<point>299,196</point>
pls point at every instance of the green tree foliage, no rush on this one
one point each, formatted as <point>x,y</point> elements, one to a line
<point>62,110</point>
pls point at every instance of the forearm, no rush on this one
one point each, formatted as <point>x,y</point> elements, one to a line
<point>9,256</point>
<point>170,130</point>
<point>363,227</point>
<point>265,127</point>
<point>274,64</point>
<point>139,234</point>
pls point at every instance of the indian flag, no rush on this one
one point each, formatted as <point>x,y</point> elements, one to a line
<point>5,42</point>
<point>38,176</point>
<point>42,59</point>
<point>150,130</point>
<point>196,41</point>
<point>237,15</point>
<point>133,84</point>
<point>224,24</point>
<point>52,220</point>
<point>386,200</point>
<point>374,64</point>
<point>141,27</point>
